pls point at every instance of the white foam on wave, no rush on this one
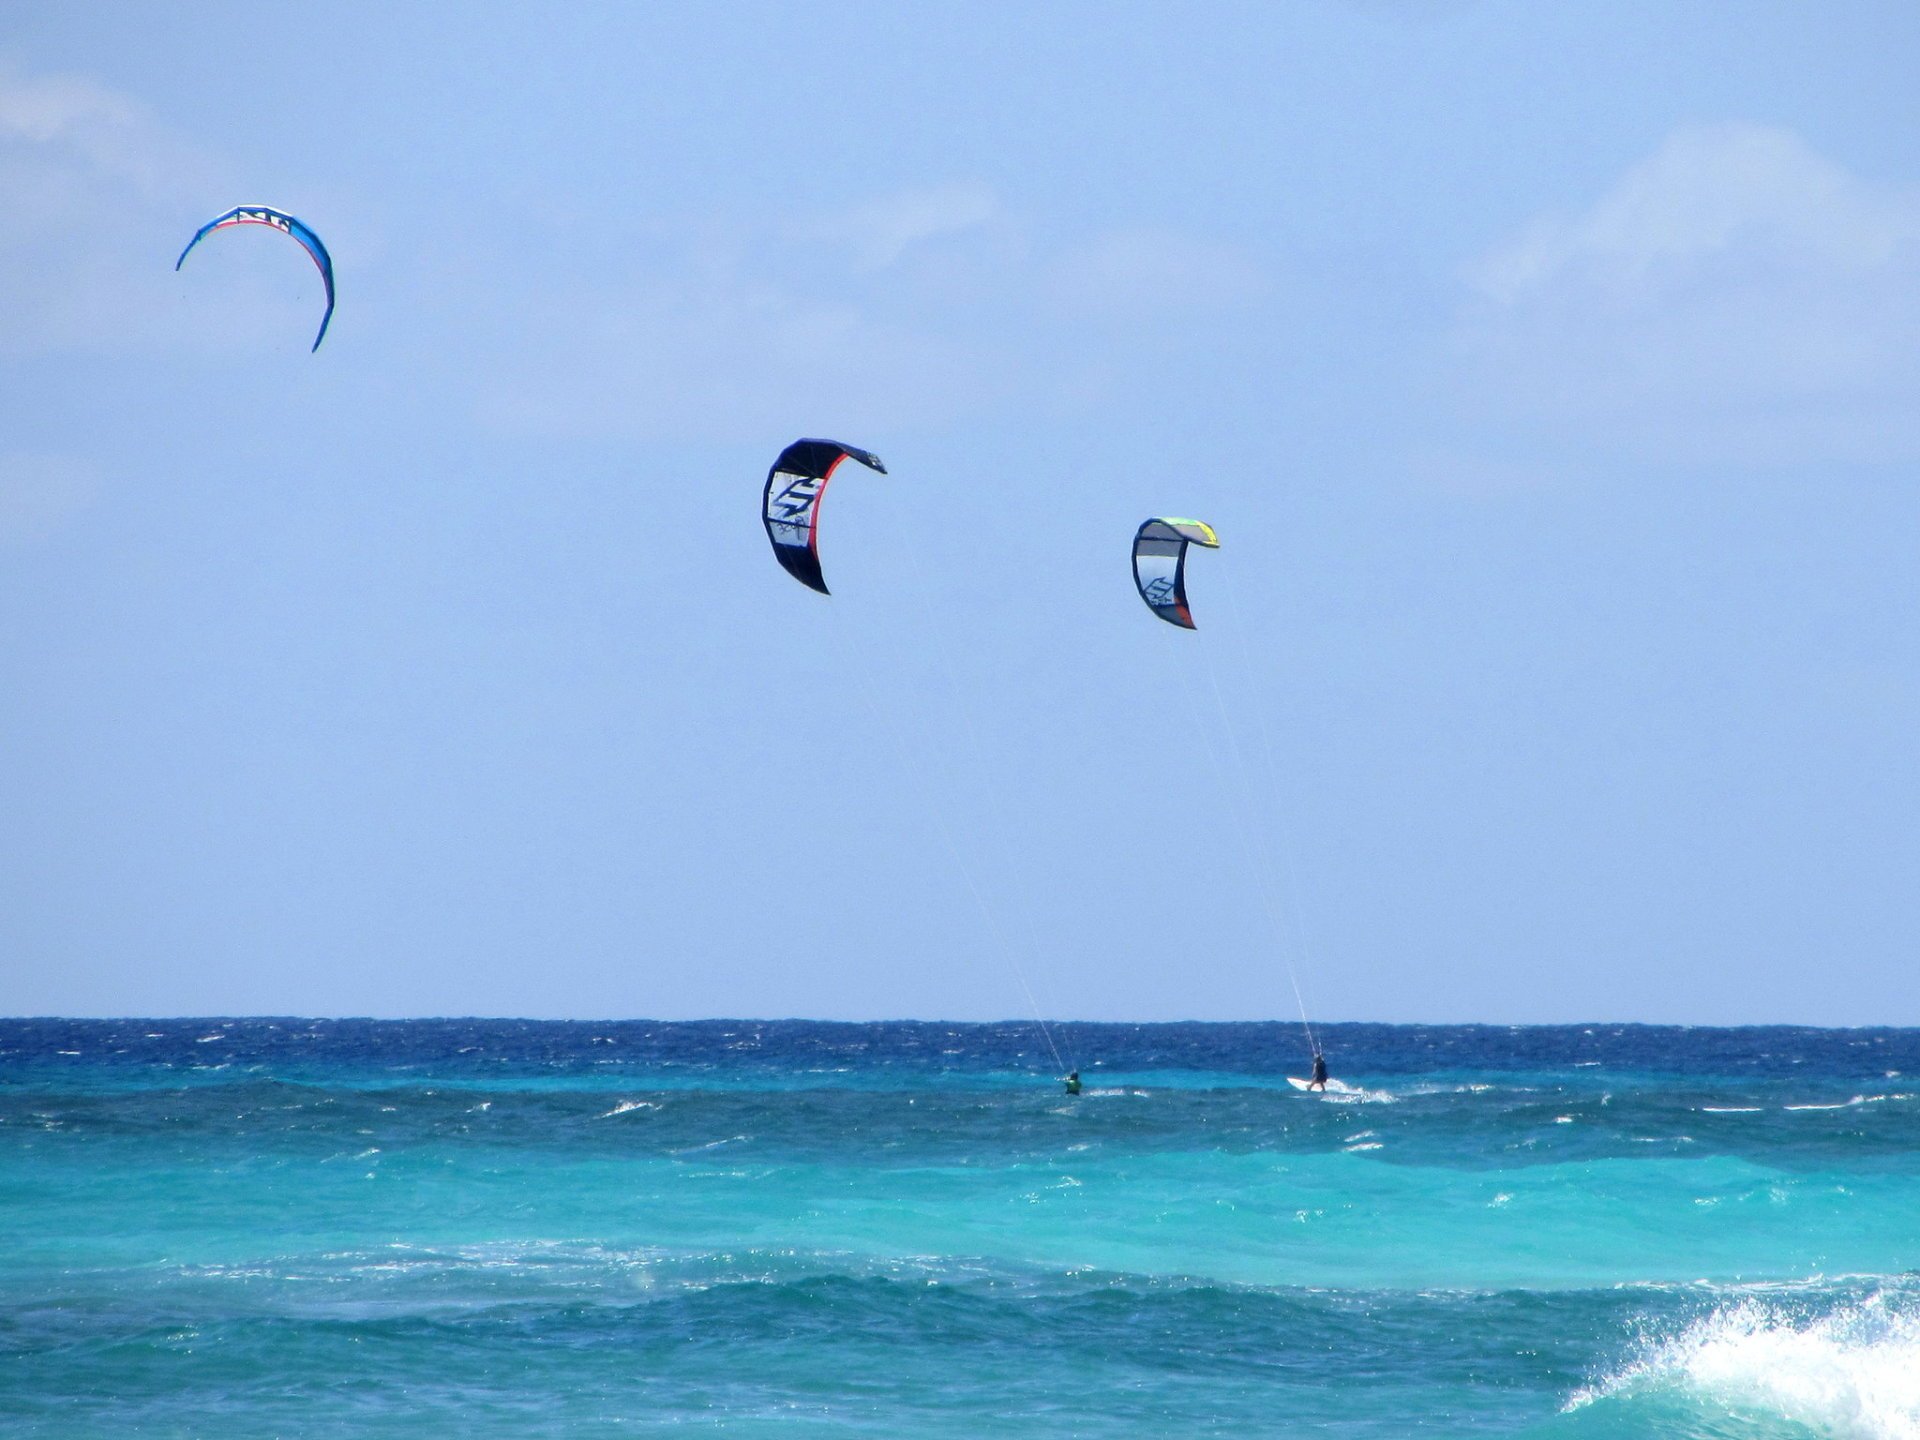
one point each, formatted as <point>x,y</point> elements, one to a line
<point>1340,1093</point>
<point>1856,1100</point>
<point>627,1106</point>
<point>1854,1372</point>
<point>712,1145</point>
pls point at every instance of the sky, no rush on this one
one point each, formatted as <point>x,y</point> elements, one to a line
<point>1551,375</point>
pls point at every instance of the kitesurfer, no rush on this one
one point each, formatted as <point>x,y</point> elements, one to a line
<point>1319,1080</point>
<point>1073,1082</point>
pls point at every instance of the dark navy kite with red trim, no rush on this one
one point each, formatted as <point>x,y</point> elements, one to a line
<point>790,505</point>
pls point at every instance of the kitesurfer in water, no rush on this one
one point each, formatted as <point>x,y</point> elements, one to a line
<point>1319,1080</point>
<point>1073,1082</point>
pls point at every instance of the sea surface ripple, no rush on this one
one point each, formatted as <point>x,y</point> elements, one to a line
<point>483,1228</point>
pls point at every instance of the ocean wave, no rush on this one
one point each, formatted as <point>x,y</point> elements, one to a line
<point>1852,1371</point>
<point>627,1107</point>
<point>1338,1093</point>
<point>1850,1104</point>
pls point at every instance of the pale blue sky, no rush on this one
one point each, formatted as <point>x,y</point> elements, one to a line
<point>1551,373</point>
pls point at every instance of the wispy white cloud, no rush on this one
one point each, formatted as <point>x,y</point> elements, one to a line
<point>1155,272</point>
<point>882,230</point>
<point>894,322</point>
<point>710,351</point>
<point>104,128</point>
<point>1711,193</point>
<point>92,191</point>
<point>1735,294</point>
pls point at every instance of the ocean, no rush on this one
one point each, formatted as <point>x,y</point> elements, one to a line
<point>484,1228</point>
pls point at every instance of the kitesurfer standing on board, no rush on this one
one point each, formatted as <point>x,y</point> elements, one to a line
<point>1319,1080</point>
<point>1073,1082</point>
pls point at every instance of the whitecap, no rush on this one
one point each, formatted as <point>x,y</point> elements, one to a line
<point>1852,1372</point>
<point>628,1106</point>
<point>1339,1094</point>
<point>711,1145</point>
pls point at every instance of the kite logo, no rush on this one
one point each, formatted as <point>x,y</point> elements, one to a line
<point>796,499</point>
<point>1158,592</point>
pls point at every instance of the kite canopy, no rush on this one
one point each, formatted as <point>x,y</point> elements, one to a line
<point>286,225</point>
<point>790,505</point>
<point>1160,565</point>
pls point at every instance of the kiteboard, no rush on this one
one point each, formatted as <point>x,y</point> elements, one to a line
<point>1334,1087</point>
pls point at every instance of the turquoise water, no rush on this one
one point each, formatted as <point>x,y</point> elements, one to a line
<point>481,1229</point>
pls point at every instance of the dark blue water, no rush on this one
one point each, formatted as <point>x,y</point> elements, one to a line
<point>479,1228</point>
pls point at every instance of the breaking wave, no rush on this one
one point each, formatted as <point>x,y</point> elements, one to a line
<point>1851,1372</point>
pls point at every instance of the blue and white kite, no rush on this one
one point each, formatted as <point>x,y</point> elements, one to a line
<point>286,225</point>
